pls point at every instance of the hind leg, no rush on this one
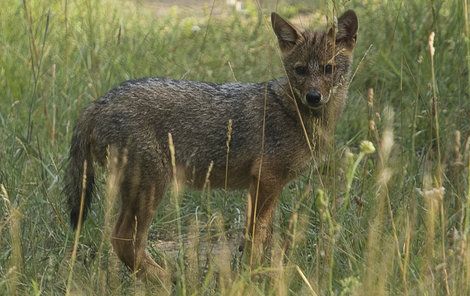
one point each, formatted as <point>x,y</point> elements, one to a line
<point>140,193</point>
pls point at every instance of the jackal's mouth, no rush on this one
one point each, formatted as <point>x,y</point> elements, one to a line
<point>316,107</point>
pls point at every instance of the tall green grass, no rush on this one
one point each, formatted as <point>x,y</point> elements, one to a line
<point>393,222</point>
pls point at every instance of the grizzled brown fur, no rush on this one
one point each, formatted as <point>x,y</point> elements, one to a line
<point>298,113</point>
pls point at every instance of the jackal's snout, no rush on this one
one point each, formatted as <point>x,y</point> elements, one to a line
<point>314,99</point>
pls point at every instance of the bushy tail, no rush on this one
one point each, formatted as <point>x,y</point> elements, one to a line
<point>79,176</point>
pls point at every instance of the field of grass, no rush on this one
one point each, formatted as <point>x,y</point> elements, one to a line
<point>396,221</point>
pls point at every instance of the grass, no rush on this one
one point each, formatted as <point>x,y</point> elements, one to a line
<point>395,222</point>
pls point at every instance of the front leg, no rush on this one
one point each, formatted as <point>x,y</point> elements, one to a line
<point>262,201</point>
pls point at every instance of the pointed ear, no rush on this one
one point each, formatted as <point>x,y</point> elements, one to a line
<point>286,33</point>
<point>347,28</point>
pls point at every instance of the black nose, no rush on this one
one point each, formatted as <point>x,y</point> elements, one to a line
<point>313,98</point>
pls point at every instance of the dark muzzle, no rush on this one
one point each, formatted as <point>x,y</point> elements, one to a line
<point>313,99</point>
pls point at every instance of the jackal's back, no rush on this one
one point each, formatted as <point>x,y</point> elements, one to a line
<point>140,114</point>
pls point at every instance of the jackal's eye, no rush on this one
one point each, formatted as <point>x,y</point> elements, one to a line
<point>328,69</point>
<point>301,70</point>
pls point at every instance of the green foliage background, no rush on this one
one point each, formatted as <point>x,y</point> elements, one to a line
<point>395,237</point>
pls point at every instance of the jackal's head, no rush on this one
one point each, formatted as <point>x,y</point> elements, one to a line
<point>318,62</point>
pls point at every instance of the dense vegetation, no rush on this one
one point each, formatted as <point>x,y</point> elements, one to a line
<point>396,221</point>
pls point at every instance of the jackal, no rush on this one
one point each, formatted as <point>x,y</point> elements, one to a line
<point>276,128</point>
